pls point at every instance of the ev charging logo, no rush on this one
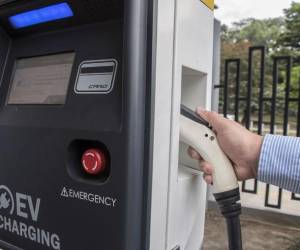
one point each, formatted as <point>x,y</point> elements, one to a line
<point>19,214</point>
<point>22,205</point>
<point>6,200</point>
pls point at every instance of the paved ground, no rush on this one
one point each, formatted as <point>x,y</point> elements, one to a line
<point>261,231</point>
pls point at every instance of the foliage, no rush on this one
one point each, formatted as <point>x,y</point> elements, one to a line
<point>257,32</point>
<point>280,36</point>
<point>291,37</point>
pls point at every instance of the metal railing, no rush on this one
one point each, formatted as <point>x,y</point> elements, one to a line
<point>234,76</point>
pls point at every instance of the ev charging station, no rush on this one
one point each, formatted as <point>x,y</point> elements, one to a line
<point>90,100</point>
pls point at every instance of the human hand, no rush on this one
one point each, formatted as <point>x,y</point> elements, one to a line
<point>240,145</point>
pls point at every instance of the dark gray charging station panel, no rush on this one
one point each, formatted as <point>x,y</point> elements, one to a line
<point>68,86</point>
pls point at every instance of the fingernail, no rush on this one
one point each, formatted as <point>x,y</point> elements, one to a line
<point>200,110</point>
<point>208,170</point>
<point>208,179</point>
<point>207,182</point>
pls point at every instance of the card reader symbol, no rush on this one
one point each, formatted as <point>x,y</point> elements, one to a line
<point>96,77</point>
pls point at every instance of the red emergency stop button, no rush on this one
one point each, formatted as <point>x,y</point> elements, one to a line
<point>94,161</point>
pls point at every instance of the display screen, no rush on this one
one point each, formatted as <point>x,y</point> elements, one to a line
<point>41,80</point>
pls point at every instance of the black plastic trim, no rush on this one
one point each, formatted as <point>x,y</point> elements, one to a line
<point>135,59</point>
<point>149,118</point>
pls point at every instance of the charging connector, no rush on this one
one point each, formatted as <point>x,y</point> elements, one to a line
<point>196,132</point>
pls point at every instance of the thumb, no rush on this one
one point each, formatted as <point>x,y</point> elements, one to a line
<point>214,119</point>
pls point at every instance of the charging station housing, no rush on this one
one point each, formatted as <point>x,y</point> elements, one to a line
<point>102,79</point>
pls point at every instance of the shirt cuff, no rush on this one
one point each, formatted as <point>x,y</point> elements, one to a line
<point>279,162</point>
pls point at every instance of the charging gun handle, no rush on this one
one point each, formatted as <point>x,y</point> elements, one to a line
<point>198,135</point>
<point>204,141</point>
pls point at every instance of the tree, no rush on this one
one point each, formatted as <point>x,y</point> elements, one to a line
<point>257,32</point>
<point>282,37</point>
<point>236,41</point>
<point>291,37</point>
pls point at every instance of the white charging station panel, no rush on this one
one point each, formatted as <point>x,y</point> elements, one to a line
<point>184,33</point>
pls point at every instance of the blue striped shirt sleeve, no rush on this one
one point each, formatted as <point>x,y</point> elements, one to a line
<point>279,162</point>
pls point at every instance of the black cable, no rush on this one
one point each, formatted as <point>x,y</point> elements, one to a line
<point>234,233</point>
<point>231,210</point>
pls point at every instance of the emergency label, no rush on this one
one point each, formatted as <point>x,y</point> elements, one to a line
<point>96,77</point>
<point>70,193</point>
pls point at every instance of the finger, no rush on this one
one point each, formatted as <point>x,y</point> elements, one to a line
<point>213,118</point>
<point>206,167</point>
<point>194,154</point>
<point>208,179</point>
